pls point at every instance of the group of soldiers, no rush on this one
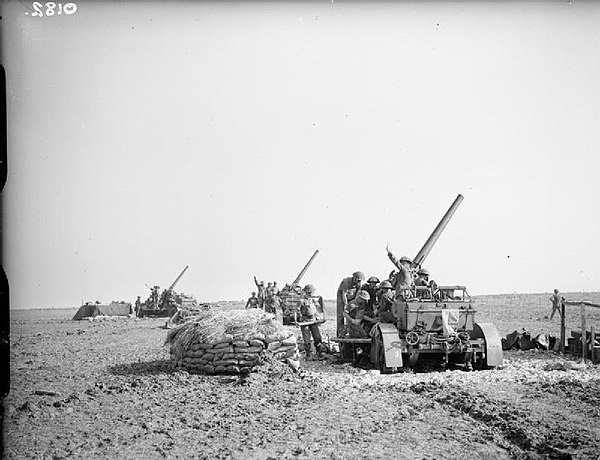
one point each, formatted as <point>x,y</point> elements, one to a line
<point>363,302</point>
<point>267,298</point>
<point>308,314</point>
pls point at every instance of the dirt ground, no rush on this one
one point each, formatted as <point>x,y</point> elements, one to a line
<point>104,389</point>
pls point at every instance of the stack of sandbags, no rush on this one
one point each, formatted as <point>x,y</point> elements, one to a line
<point>230,342</point>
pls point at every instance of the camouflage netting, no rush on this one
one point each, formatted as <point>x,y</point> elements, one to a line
<point>230,342</point>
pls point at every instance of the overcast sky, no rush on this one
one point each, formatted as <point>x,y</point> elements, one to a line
<point>240,137</point>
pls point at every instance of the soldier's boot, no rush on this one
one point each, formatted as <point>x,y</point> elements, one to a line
<point>308,351</point>
<point>320,352</point>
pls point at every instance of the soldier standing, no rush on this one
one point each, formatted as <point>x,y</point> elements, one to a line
<point>309,309</point>
<point>345,293</point>
<point>138,306</point>
<point>557,302</point>
<point>252,301</point>
<point>275,288</point>
<point>261,293</point>
<point>155,297</point>
<point>403,278</point>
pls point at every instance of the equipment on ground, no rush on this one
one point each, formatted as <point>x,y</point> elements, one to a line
<point>167,303</point>
<point>435,322</point>
<point>91,310</point>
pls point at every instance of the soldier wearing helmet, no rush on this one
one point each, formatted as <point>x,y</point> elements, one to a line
<point>386,300</point>
<point>557,302</point>
<point>310,308</point>
<point>345,293</point>
<point>424,281</point>
<point>252,301</point>
<point>261,293</point>
<point>402,280</point>
<point>358,322</point>
<point>371,287</point>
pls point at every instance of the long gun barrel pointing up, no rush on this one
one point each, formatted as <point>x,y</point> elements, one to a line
<point>301,274</point>
<point>426,249</point>
<point>178,278</point>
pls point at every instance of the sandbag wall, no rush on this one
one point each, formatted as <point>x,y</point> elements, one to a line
<point>235,354</point>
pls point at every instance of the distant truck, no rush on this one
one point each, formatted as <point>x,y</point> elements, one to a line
<point>438,325</point>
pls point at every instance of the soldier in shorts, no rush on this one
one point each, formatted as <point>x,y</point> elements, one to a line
<point>309,309</point>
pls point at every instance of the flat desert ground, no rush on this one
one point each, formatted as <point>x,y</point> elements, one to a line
<point>105,389</point>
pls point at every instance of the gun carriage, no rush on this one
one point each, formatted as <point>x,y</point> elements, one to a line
<point>167,303</point>
<point>436,323</point>
<point>291,294</point>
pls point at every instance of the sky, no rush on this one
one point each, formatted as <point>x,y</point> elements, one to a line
<point>238,138</point>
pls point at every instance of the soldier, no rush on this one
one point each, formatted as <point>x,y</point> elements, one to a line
<point>269,290</point>
<point>155,297</point>
<point>309,309</point>
<point>371,288</point>
<point>354,314</point>
<point>403,279</point>
<point>275,288</point>
<point>138,305</point>
<point>557,302</point>
<point>269,298</point>
<point>252,301</point>
<point>261,293</point>
<point>346,292</point>
<point>386,300</point>
<point>424,281</point>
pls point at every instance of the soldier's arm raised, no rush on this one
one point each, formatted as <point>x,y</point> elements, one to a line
<point>392,257</point>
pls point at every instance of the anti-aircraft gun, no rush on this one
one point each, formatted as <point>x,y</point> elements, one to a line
<point>291,294</point>
<point>167,303</point>
<point>440,326</point>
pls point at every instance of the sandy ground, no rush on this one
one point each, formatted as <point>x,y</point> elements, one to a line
<point>104,389</point>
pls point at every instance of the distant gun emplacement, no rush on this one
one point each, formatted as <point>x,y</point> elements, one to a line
<point>167,303</point>
<point>291,294</point>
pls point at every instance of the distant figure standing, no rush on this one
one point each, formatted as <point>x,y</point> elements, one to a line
<point>138,306</point>
<point>261,293</point>
<point>557,302</point>
<point>252,301</point>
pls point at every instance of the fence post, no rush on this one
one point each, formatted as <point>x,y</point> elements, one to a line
<point>592,341</point>
<point>583,333</point>
<point>562,327</point>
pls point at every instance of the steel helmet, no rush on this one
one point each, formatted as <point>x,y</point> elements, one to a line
<point>405,259</point>
<point>310,288</point>
<point>385,285</point>
<point>359,275</point>
<point>363,295</point>
<point>423,271</point>
<point>373,279</point>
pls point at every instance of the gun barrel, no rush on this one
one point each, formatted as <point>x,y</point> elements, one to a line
<point>178,278</point>
<point>301,274</point>
<point>426,249</point>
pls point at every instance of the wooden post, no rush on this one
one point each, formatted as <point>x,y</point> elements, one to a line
<point>592,341</point>
<point>583,334</point>
<point>562,327</point>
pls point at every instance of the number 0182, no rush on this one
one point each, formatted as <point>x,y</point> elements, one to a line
<point>51,8</point>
